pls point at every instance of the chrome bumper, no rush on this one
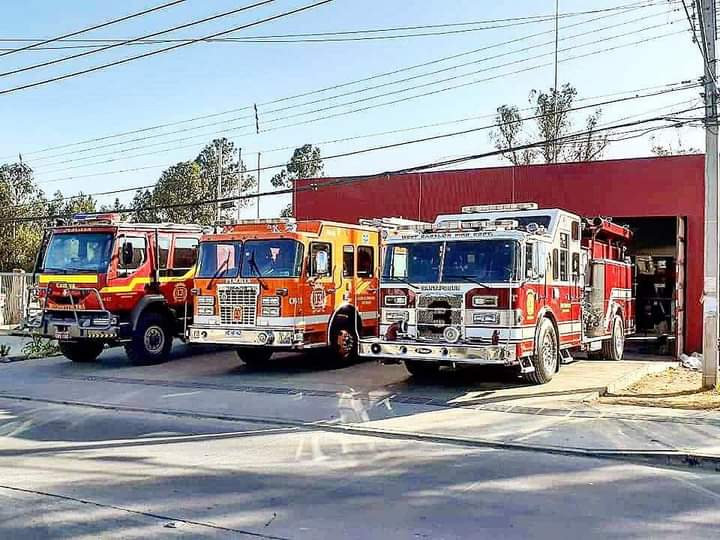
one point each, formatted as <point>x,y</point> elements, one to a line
<point>265,337</point>
<point>460,354</point>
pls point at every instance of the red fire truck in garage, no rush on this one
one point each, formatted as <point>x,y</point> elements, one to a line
<point>510,284</point>
<point>103,281</point>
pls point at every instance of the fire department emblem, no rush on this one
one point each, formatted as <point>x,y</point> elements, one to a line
<point>530,304</point>
<point>180,293</point>
<point>318,298</point>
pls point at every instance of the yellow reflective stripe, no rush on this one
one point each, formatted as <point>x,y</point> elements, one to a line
<point>135,282</point>
<point>70,278</point>
<point>130,287</point>
<point>188,275</point>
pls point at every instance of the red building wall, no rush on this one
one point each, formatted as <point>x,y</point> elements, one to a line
<point>645,187</point>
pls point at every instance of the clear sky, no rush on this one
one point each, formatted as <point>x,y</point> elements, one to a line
<point>209,78</point>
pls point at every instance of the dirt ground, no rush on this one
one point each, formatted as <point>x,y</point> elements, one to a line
<point>677,388</point>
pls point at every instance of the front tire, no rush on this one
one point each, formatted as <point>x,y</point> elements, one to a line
<point>344,345</point>
<point>613,348</point>
<point>152,340</point>
<point>546,357</point>
<point>254,357</point>
<point>83,351</point>
<point>420,369</point>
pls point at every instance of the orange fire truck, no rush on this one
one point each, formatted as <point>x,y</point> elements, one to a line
<point>279,284</point>
<point>102,281</point>
<point>512,285</point>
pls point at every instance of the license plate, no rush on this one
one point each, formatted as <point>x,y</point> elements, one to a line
<point>62,335</point>
<point>238,314</point>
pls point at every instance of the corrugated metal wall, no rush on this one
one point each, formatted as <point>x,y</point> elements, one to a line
<point>644,187</point>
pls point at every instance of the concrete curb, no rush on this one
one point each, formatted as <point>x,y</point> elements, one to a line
<point>656,458</point>
<point>634,376</point>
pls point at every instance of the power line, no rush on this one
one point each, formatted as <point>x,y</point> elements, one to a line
<point>133,40</point>
<point>354,102</point>
<point>404,99</point>
<point>162,165</point>
<point>518,20</point>
<point>95,27</point>
<point>414,141</point>
<point>625,8</point>
<point>361,178</point>
<point>166,49</point>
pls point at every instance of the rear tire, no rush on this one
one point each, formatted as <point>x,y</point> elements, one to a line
<point>344,345</point>
<point>547,354</point>
<point>254,357</point>
<point>613,348</point>
<point>152,340</point>
<point>82,351</point>
<point>420,369</point>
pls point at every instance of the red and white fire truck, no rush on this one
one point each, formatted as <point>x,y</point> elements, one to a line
<point>512,285</point>
<point>103,281</point>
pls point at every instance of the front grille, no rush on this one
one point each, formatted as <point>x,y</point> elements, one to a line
<point>435,312</point>
<point>453,301</point>
<point>238,304</point>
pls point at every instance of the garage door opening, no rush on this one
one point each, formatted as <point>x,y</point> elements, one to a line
<point>658,251</point>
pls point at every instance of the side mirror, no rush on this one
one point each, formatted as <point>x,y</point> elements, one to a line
<point>127,254</point>
<point>321,263</point>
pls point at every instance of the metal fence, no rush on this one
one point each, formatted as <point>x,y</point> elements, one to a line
<point>13,296</point>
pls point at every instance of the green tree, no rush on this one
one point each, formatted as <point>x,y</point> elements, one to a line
<point>305,162</point>
<point>670,149</point>
<point>553,123</point>
<point>142,200</point>
<point>20,198</point>
<point>114,207</point>
<point>66,208</point>
<point>197,180</point>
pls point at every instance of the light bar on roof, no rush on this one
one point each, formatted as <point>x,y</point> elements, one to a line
<point>479,208</point>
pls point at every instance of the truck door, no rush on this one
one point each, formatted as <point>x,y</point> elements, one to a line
<point>366,288</point>
<point>322,275</point>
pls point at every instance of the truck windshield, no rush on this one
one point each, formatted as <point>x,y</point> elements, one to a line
<point>219,259</point>
<point>486,261</point>
<point>493,261</point>
<point>272,258</point>
<point>78,252</point>
<point>414,262</point>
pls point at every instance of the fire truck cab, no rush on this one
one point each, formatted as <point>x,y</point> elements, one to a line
<point>278,284</point>
<point>512,285</point>
<point>103,281</point>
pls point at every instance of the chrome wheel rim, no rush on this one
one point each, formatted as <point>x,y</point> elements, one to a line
<point>154,339</point>
<point>548,352</point>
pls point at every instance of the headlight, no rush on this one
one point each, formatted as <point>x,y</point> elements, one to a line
<point>485,301</point>
<point>491,317</point>
<point>396,316</point>
<point>271,301</point>
<point>206,310</point>
<point>396,300</point>
<point>206,300</point>
<point>271,312</point>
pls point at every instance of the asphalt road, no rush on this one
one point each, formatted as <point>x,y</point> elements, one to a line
<point>86,472</point>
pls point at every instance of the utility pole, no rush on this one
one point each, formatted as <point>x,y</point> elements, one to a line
<point>257,204</point>
<point>712,210</point>
<point>219,182</point>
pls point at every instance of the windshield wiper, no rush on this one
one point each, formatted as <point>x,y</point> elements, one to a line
<point>218,271</point>
<point>257,271</point>
<point>469,279</point>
